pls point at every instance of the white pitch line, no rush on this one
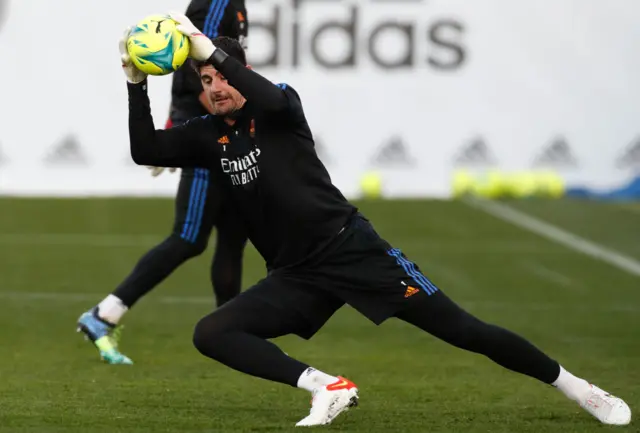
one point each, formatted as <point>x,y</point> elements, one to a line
<point>457,277</point>
<point>558,235</point>
<point>549,275</point>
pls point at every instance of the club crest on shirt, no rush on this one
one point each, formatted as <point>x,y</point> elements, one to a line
<point>223,141</point>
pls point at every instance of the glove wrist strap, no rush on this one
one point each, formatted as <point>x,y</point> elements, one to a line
<point>217,57</point>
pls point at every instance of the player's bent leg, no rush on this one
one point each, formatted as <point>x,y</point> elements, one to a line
<point>226,266</point>
<point>236,335</point>
<point>441,317</point>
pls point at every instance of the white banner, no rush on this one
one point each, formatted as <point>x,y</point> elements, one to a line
<point>412,89</point>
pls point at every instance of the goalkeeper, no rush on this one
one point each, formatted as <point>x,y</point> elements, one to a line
<point>199,202</point>
<point>321,252</point>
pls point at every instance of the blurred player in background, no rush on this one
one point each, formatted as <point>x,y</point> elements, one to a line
<point>199,202</point>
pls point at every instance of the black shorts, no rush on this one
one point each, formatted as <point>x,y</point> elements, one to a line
<point>358,268</point>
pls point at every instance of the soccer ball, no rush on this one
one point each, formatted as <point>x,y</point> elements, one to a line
<point>156,47</point>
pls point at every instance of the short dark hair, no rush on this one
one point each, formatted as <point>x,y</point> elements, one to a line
<point>230,46</point>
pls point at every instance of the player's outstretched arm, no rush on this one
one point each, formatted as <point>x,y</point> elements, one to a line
<point>183,146</point>
<point>249,83</point>
<point>180,146</point>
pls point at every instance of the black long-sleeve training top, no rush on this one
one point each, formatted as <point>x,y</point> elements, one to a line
<point>266,162</point>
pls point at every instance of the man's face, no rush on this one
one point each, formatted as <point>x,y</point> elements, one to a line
<point>224,98</point>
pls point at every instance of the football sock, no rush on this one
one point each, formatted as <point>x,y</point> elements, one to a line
<point>111,309</point>
<point>571,386</point>
<point>311,379</point>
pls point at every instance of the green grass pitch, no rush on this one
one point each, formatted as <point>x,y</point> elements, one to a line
<point>59,257</point>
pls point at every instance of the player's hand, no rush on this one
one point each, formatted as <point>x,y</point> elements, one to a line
<point>134,75</point>
<point>201,47</point>
<point>157,171</point>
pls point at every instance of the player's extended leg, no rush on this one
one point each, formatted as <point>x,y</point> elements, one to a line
<point>236,335</point>
<point>195,208</point>
<point>226,266</point>
<point>381,282</point>
<point>441,317</point>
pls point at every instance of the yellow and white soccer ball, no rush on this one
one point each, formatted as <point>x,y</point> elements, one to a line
<point>156,47</point>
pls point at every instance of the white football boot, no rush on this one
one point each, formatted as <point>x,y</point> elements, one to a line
<point>330,401</point>
<point>607,408</point>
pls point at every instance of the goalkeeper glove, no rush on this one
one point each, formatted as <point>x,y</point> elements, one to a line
<point>200,47</point>
<point>134,75</point>
<point>157,171</point>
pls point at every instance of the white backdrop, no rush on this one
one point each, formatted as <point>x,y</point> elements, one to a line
<point>483,83</point>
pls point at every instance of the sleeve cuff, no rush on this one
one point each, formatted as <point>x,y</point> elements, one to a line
<point>141,86</point>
